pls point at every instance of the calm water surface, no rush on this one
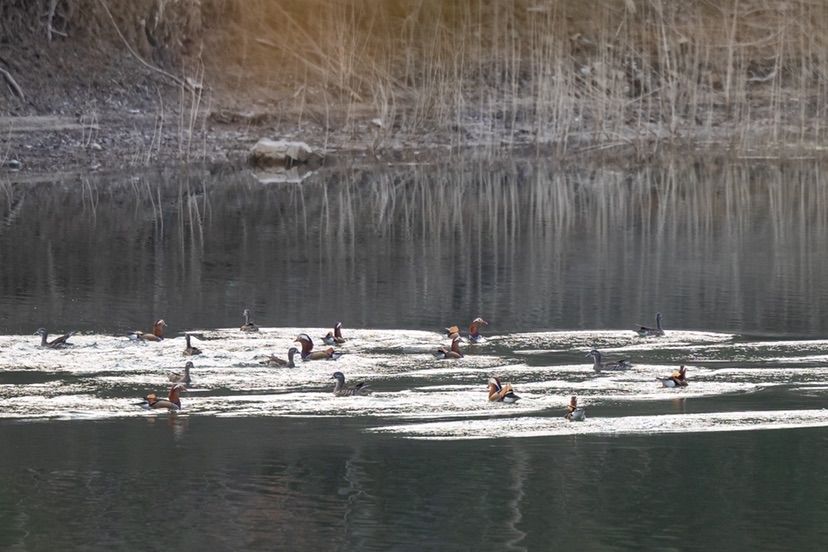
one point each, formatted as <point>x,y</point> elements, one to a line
<point>733,253</point>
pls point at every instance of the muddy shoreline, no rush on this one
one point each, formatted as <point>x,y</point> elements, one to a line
<point>36,148</point>
<point>91,90</point>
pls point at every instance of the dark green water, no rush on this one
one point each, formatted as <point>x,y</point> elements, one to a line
<point>734,248</point>
<point>294,484</point>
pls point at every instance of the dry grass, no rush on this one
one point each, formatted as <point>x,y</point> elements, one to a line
<point>597,72</point>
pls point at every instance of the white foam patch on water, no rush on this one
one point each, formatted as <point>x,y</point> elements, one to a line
<point>437,401</point>
<point>760,351</point>
<point>669,423</point>
<point>105,376</point>
<point>566,341</point>
<point>414,404</point>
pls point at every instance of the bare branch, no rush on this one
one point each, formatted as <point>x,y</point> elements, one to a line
<point>178,80</point>
<point>13,84</point>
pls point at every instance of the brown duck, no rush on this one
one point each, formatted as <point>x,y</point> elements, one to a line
<point>156,335</point>
<point>677,379</point>
<point>453,351</point>
<point>172,402</point>
<point>501,392</point>
<point>575,413</point>
<point>334,337</point>
<point>474,330</point>
<point>309,354</point>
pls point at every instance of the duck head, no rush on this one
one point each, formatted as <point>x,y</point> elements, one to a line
<point>658,320</point>
<point>307,343</point>
<point>494,385</point>
<point>246,315</point>
<point>339,377</point>
<point>43,334</point>
<point>573,402</point>
<point>475,325</point>
<point>158,328</point>
<point>338,329</point>
<point>595,354</point>
<point>187,367</point>
<point>452,330</point>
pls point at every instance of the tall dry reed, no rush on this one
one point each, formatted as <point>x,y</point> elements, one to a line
<point>594,73</point>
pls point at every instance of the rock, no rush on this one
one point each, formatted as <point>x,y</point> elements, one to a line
<point>268,152</point>
<point>96,146</point>
<point>14,164</point>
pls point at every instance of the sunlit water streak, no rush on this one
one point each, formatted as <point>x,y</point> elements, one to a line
<point>667,423</point>
<point>104,376</point>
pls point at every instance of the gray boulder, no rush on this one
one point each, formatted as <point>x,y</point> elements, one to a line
<point>268,153</point>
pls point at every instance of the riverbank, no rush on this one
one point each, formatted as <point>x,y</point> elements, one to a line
<point>100,84</point>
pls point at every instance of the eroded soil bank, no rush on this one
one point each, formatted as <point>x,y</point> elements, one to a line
<point>95,84</point>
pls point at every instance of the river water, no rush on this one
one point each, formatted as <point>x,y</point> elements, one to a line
<point>559,260</point>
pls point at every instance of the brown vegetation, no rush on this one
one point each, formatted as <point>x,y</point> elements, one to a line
<point>591,73</point>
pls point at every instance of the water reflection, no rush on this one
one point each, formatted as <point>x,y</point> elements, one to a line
<point>714,245</point>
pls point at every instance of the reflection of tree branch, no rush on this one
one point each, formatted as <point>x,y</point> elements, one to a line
<point>13,84</point>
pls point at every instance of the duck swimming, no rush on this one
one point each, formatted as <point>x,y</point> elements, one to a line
<point>575,413</point>
<point>172,402</point>
<point>248,326</point>
<point>501,393</point>
<point>156,335</point>
<point>278,362</point>
<point>677,379</point>
<point>474,330</point>
<point>56,343</point>
<point>189,350</point>
<point>309,354</point>
<point>453,351</point>
<point>178,377</point>
<point>334,337</point>
<point>644,331</point>
<point>598,366</point>
<point>340,390</point>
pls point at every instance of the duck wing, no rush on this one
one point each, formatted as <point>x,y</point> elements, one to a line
<point>510,397</point>
<point>60,342</point>
<point>362,389</point>
<point>273,360</point>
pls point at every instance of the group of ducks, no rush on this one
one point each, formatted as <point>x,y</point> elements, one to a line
<point>497,391</point>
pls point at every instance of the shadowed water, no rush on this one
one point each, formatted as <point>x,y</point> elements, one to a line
<point>558,259</point>
<point>715,246</point>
